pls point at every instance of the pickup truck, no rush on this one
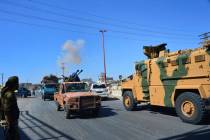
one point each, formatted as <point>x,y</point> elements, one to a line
<point>75,97</point>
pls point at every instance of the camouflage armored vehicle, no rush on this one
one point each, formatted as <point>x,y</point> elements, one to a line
<point>75,97</point>
<point>180,80</point>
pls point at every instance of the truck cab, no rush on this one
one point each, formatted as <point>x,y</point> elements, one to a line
<point>75,97</point>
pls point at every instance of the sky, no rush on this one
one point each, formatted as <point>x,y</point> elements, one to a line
<point>33,33</point>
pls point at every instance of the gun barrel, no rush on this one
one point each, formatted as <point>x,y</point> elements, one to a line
<point>80,72</point>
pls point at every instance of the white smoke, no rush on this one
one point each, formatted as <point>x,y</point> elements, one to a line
<point>70,52</point>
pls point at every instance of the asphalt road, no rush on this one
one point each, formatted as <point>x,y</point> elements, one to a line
<point>39,120</point>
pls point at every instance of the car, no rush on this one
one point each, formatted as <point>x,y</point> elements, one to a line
<point>24,92</point>
<point>75,97</point>
<point>100,89</point>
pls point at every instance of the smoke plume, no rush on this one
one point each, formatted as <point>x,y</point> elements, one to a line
<point>70,52</point>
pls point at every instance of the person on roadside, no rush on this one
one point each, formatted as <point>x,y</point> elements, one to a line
<point>33,92</point>
<point>10,108</point>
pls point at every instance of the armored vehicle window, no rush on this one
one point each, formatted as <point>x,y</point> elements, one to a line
<point>174,62</point>
<point>199,58</point>
<point>186,61</point>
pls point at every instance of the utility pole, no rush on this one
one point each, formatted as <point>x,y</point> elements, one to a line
<point>104,56</point>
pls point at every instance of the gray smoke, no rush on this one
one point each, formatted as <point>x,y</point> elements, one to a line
<point>70,52</point>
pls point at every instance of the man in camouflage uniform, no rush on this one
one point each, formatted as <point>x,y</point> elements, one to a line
<point>10,108</point>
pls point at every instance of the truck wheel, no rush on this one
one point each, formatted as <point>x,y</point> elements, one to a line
<point>190,108</point>
<point>67,113</point>
<point>128,101</point>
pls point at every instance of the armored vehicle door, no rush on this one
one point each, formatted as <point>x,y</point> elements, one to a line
<point>141,83</point>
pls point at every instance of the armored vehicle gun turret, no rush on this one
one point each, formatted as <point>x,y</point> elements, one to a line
<point>153,51</point>
<point>179,80</point>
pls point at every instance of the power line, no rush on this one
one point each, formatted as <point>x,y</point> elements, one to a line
<point>61,29</point>
<point>67,30</point>
<point>45,26</point>
<point>89,20</point>
<point>77,25</point>
<point>101,17</point>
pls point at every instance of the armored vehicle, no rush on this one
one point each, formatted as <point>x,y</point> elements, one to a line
<point>75,97</point>
<point>180,80</point>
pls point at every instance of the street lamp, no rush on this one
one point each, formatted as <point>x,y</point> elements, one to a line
<point>104,57</point>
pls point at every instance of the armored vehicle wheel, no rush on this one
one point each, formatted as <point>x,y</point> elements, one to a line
<point>190,108</point>
<point>128,101</point>
<point>67,112</point>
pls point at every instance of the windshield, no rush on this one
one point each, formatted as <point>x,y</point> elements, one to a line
<point>51,86</point>
<point>99,86</point>
<point>77,87</point>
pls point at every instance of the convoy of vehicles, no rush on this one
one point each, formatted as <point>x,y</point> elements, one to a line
<point>100,89</point>
<point>48,90</point>
<point>180,80</point>
<point>75,97</point>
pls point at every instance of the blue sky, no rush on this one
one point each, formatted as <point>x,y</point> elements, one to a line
<point>32,33</point>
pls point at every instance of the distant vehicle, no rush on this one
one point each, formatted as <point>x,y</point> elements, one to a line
<point>75,97</point>
<point>48,91</point>
<point>100,89</point>
<point>24,92</point>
